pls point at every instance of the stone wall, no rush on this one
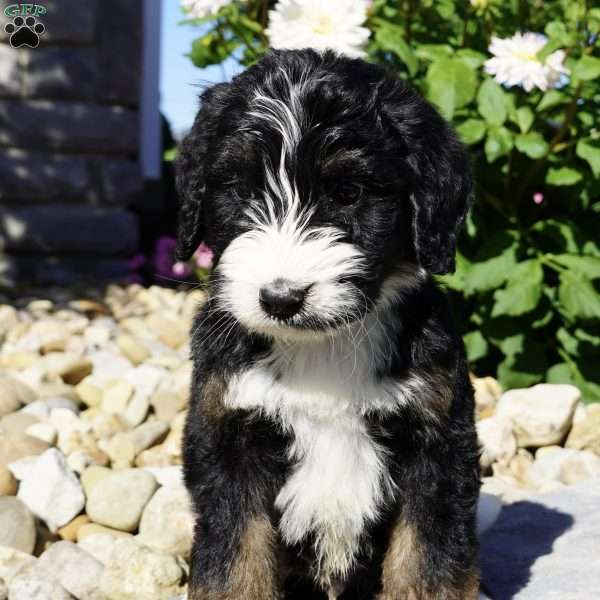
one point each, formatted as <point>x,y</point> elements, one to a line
<point>69,142</point>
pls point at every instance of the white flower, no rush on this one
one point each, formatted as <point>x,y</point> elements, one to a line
<point>319,24</point>
<point>198,9</point>
<point>515,62</point>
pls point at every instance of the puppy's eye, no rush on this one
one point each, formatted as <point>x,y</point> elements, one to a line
<point>347,193</point>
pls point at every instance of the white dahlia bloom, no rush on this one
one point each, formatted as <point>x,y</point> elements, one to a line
<point>319,24</point>
<point>515,62</point>
<point>198,9</point>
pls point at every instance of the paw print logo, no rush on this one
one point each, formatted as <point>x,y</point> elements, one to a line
<point>24,32</point>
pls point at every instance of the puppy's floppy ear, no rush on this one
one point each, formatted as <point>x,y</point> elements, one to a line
<point>191,171</point>
<point>441,186</point>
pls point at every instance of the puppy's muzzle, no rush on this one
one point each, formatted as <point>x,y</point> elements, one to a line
<point>282,299</point>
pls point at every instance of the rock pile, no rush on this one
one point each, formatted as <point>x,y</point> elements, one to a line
<point>539,439</point>
<point>93,397</point>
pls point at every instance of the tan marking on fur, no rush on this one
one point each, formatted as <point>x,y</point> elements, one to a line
<point>402,576</point>
<point>213,393</point>
<point>255,573</point>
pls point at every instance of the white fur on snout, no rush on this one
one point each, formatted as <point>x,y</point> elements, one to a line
<point>281,245</point>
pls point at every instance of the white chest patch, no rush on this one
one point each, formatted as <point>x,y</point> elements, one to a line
<point>320,392</point>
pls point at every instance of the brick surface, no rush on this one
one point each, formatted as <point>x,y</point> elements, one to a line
<point>55,229</point>
<point>42,177</point>
<point>69,126</point>
<point>69,73</point>
<point>11,72</point>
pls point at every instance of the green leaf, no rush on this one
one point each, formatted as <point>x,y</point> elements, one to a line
<point>391,39</point>
<point>589,150</point>
<point>567,341</point>
<point>451,84</point>
<point>433,52</point>
<point>525,365</point>
<point>493,263</point>
<point>578,296</point>
<point>250,24</point>
<point>564,235</point>
<point>532,144</point>
<point>471,131</point>
<point>586,265</point>
<point>471,58</point>
<point>563,176</point>
<point>569,373</point>
<point>523,290</point>
<point>551,46</point>
<point>551,99</point>
<point>556,29</point>
<point>560,373</point>
<point>476,345</point>
<point>525,118</point>
<point>170,154</point>
<point>586,68</point>
<point>456,281</point>
<point>491,103</point>
<point>499,142</point>
<point>211,50</point>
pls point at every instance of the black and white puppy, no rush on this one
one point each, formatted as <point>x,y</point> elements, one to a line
<point>330,449</point>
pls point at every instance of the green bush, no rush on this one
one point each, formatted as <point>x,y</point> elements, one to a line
<point>529,260</point>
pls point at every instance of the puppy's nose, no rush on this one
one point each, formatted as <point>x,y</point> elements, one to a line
<point>281,299</point>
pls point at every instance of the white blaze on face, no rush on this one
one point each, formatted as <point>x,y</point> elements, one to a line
<point>281,244</point>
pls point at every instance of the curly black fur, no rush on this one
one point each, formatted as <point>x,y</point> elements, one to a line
<point>379,164</point>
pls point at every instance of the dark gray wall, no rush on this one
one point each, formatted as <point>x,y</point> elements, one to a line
<point>69,142</point>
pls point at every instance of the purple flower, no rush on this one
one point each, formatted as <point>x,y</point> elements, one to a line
<point>181,269</point>
<point>204,256</point>
<point>538,197</point>
<point>164,256</point>
<point>136,262</point>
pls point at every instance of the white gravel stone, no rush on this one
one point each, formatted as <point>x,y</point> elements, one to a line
<point>74,568</point>
<point>118,500</point>
<point>148,434</point>
<point>13,394</point>
<point>108,365</point>
<point>20,468</point>
<point>564,465</point>
<point>116,396</point>
<point>137,409</point>
<point>540,415</point>
<point>17,525</point>
<point>497,440</point>
<point>99,545</point>
<point>32,587</point>
<point>9,399</point>
<point>168,522</point>
<point>14,563</point>
<point>62,403</point>
<point>167,476</point>
<point>135,571</point>
<point>43,431</point>
<point>145,378</point>
<point>51,491</point>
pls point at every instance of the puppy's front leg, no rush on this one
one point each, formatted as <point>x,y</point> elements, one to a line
<point>432,548</point>
<point>406,573</point>
<point>232,468</point>
<point>251,573</point>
